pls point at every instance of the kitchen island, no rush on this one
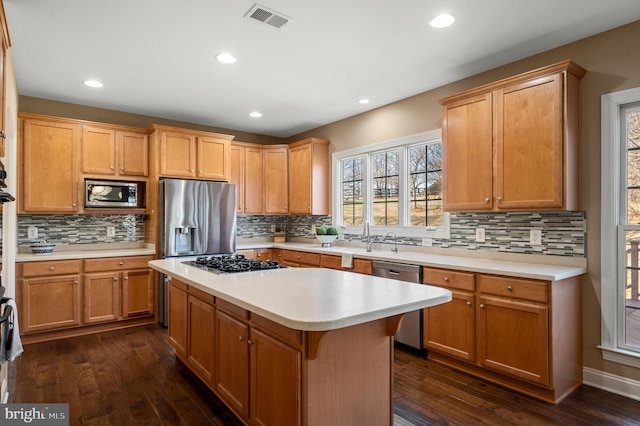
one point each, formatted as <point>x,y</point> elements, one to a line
<point>294,345</point>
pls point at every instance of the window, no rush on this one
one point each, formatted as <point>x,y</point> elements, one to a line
<point>620,227</point>
<point>396,186</point>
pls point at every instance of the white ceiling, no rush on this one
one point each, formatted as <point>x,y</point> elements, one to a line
<point>156,57</point>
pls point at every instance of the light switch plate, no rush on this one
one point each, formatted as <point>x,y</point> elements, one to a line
<point>111,231</point>
<point>273,228</point>
<point>535,237</point>
<point>313,229</point>
<point>480,235</point>
<point>32,232</point>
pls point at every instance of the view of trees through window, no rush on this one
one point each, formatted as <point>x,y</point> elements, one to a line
<point>421,195</point>
<point>632,236</point>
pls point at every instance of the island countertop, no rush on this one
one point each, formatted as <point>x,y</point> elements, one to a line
<point>309,299</point>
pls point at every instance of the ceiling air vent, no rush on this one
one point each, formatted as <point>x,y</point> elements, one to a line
<point>266,15</point>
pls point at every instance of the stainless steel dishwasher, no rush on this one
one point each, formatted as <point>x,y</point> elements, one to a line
<point>410,332</point>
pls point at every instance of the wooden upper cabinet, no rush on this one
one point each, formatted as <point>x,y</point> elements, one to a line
<point>213,158</point>
<point>309,177</point>
<point>177,155</point>
<point>110,152</point>
<point>50,152</point>
<point>246,172</point>
<point>183,153</point>
<point>513,144</point>
<point>276,180</point>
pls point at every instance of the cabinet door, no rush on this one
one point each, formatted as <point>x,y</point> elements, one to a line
<point>513,338</point>
<point>213,159</point>
<point>467,154</point>
<point>51,302</point>
<point>275,381</point>
<point>455,338</point>
<point>133,153</point>
<point>178,320</point>
<point>101,297</point>
<point>276,180</point>
<point>98,151</point>
<point>236,175</point>
<point>253,180</point>
<point>530,144</point>
<point>300,179</point>
<point>177,155</point>
<point>201,342</point>
<point>50,153</point>
<point>232,363</point>
<point>137,293</point>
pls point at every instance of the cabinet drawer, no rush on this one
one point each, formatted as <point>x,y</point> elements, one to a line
<point>264,254</point>
<point>178,284</point>
<point>361,266</point>
<point>289,335</point>
<point>312,259</point>
<point>202,295</point>
<point>232,309</point>
<point>55,267</point>
<point>447,278</point>
<point>535,291</point>
<point>116,263</point>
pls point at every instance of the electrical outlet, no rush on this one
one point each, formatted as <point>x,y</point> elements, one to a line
<point>313,229</point>
<point>535,237</point>
<point>32,232</point>
<point>273,228</point>
<point>479,235</point>
<point>427,242</point>
<point>111,231</point>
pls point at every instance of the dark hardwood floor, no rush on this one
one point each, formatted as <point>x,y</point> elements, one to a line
<point>130,377</point>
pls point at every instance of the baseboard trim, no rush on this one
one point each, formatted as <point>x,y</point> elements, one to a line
<point>611,383</point>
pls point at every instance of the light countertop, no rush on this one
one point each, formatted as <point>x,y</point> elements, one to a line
<point>309,299</point>
<point>90,251</point>
<point>520,268</point>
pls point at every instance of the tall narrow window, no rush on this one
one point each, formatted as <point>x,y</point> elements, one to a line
<point>425,185</point>
<point>352,196</point>
<point>385,188</point>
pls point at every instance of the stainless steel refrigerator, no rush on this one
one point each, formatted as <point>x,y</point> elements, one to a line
<point>195,218</point>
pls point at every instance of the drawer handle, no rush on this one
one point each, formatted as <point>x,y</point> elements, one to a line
<point>52,268</point>
<point>509,288</point>
<point>481,306</point>
<point>468,303</point>
<point>446,278</point>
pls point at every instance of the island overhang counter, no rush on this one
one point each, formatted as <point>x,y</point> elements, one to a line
<point>292,346</point>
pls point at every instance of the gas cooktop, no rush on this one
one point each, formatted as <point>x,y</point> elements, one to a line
<point>232,263</point>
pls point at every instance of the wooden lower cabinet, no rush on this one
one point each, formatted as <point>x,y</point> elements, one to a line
<point>232,362</point>
<point>137,293</point>
<point>101,297</point>
<point>201,335</point>
<point>521,333</point>
<point>178,314</point>
<point>300,259</point>
<point>49,295</point>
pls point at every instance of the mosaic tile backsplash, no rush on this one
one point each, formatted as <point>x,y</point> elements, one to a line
<point>563,233</point>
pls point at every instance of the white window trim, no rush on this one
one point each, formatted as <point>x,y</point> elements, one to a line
<point>443,232</point>
<point>611,156</point>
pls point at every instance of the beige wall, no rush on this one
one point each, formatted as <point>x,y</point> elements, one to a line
<point>612,62</point>
<point>81,112</point>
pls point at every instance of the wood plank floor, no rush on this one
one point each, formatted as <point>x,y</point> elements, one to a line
<point>130,377</point>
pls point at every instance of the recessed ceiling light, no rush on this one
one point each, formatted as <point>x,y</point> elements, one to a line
<point>255,114</point>
<point>226,58</point>
<point>363,101</point>
<point>442,21</point>
<point>93,83</point>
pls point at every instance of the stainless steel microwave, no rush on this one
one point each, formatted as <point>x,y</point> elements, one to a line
<point>101,193</point>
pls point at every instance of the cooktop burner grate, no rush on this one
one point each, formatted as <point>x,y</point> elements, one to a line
<point>232,263</point>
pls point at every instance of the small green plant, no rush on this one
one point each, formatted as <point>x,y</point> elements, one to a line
<point>332,231</point>
<point>322,230</point>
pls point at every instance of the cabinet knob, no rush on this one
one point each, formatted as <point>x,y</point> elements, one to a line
<point>115,278</point>
<point>240,338</point>
<point>468,303</point>
<point>487,199</point>
<point>126,278</point>
<point>509,288</point>
<point>75,282</point>
<point>73,205</point>
<point>446,278</point>
<point>481,306</point>
<point>249,342</point>
<point>200,171</point>
<point>122,169</point>
<point>499,198</point>
<point>112,168</point>
<point>52,268</point>
<point>121,263</point>
<point>191,170</point>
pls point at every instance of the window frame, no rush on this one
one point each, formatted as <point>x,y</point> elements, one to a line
<point>441,232</point>
<point>613,182</point>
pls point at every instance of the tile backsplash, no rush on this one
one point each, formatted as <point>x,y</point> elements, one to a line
<point>563,233</point>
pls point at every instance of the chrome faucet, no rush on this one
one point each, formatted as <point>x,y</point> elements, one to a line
<point>368,238</point>
<point>395,241</point>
